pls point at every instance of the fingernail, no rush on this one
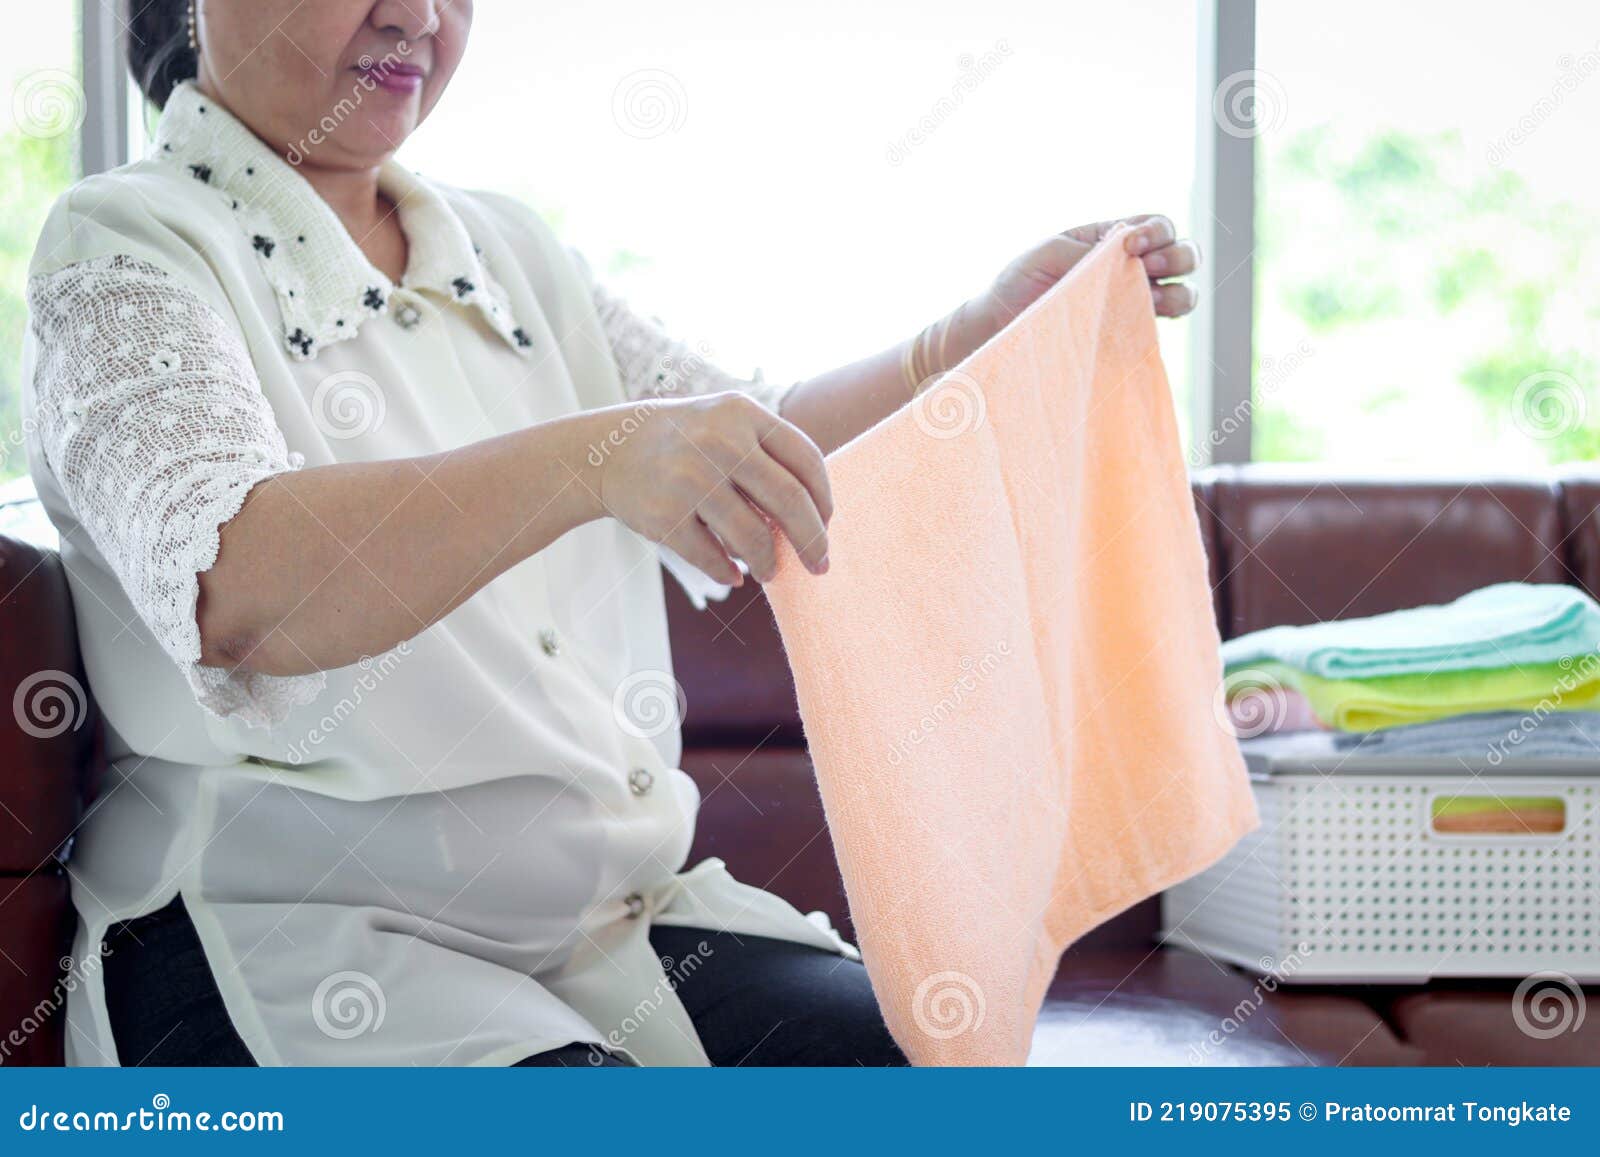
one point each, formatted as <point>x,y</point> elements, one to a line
<point>1156,264</point>
<point>822,567</point>
<point>1138,242</point>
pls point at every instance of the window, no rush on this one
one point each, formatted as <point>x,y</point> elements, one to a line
<point>1428,234</point>
<point>38,142</point>
<point>803,186</point>
<point>798,190</point>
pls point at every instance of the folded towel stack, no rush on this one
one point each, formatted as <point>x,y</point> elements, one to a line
<point>1483,671</point>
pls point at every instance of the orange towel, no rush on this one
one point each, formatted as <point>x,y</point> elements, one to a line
<point>1008,674</point>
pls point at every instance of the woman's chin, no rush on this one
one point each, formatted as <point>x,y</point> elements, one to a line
<point>371,138</point>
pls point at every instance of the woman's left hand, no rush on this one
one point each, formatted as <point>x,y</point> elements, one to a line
<point>1152,239</point>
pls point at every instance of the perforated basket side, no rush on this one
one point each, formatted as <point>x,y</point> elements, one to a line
<point>1354,870</point>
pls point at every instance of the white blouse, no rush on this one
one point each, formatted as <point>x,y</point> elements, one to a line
<point>450,853</point>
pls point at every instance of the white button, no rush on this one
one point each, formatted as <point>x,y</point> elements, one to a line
<point>549,642</point>
<point>407,316</point>
<point>640,781</point>
<point>635,903</point>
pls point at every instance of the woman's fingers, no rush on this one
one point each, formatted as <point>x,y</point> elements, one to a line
<point>1176,260</point>
<point>1174,299</point>
<point>1149,232</point>
<point>1155,241</point>
<point>699,547</point>
<point>744,533</point>
<point>789,446</point>
<point>775,490</point>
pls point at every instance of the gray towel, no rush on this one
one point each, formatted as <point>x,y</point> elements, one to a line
<point>1495,735</point>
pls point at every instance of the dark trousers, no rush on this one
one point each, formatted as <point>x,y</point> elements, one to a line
<point>753,1000</point>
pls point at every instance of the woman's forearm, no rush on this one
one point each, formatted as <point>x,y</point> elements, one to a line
<point>325,565</point>
<point>835,406</point>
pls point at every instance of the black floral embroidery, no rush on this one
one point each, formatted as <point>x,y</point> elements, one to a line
<point>202,172</point>
<point>373,299</point>
<point>522,337</point>
<point>463,286</point>
<point>301,341</point>
<point>264,245</point>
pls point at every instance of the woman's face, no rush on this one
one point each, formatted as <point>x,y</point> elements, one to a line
<point>333,83</point>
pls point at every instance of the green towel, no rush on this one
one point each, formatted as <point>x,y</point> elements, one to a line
<point>1392,700</point>
<point>1507,625</point>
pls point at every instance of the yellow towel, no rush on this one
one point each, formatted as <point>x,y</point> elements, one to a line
<point>1395,700</point>
<point>1008,674</point>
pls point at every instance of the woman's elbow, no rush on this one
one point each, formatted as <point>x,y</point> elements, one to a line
<point>240,624</point>
<point>228,637</point>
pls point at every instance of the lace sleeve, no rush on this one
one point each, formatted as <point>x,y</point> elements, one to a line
<point>655,365</point>
<point>151,418</point>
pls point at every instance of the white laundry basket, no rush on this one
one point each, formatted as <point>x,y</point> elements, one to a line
<point>1353,877</point>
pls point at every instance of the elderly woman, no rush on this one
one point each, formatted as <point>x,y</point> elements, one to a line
<point>362,485</point>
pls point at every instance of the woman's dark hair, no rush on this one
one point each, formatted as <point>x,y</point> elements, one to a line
<point>159,55</point>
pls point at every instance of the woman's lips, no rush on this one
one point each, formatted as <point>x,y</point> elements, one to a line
<point>400,78</point>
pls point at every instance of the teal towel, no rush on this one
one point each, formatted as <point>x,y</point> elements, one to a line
<point>1507,625</point>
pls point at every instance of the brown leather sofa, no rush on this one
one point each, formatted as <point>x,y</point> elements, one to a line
<point>1285,546</point>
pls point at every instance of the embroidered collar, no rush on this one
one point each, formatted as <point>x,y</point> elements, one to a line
<point>326,287</point>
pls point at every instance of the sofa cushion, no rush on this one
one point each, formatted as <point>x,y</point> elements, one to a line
<point>1580,520</point>
<point>1205,508</point>
<point>1299,547</point>
<point>1487,1023</point>
<point>36,925</point>
<point>47,723</point>
<point>730,662</point>
<point>761,814</point>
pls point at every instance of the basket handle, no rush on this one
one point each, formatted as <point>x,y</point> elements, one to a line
<point>1487,814</point>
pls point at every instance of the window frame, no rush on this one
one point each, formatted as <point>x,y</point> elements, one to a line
<point>103,141</point>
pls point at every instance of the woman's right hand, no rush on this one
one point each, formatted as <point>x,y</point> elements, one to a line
<point>698,474</point>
